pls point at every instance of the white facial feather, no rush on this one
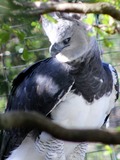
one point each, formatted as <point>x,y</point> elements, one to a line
<point>58,31</point>
<point>80,42</point>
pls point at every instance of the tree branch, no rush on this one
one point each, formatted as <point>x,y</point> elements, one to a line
<point>35,120</point>
<point>98,8</point>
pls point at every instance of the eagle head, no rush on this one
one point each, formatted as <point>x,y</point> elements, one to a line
<point>68,36</point>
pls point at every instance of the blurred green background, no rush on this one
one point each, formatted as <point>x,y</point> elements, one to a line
<point>22,42</point>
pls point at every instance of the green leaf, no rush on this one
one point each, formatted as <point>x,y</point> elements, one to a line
<point>44,0</point>
<point>36,24</point>
<point>6,27</point>
<point>90,19</point>
<point>20,34</point>
<point>25,55</point>
<point>33,24</point>
<point>117,129</point>
<point>4,36</point>
<point>108,149</point>
<point>108,43</point>
<point>50,18</point>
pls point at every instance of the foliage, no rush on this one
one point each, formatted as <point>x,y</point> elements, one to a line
<point>22,40</point>
<point>22,43</point>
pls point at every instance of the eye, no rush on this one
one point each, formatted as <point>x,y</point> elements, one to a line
<point>66,41</point>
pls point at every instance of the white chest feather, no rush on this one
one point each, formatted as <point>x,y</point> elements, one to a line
<point>73,112</point>
<point>76,112</point>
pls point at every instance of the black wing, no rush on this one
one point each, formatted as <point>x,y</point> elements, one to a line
<point>115,83</point>
<point>38,88</point>
<point>111,70</point>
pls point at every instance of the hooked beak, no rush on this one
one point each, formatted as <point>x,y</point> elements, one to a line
<point>55,49</point>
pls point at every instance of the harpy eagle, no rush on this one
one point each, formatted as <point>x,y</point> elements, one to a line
<point>73,87</point>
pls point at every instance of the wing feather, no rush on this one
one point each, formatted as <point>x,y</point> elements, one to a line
<point>39,88</point>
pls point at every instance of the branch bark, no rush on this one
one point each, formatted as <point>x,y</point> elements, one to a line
<point>98,8</point>
<point>35,120</point>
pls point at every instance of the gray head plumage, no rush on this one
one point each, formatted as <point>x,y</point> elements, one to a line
<point>68,36</point>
